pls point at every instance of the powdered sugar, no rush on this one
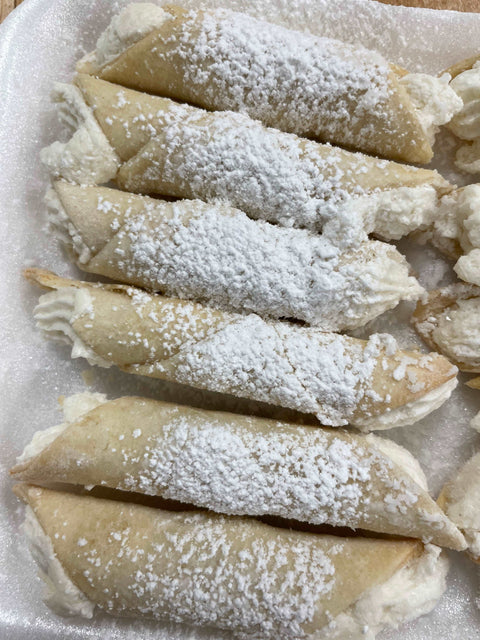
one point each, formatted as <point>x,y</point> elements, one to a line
<point>214,253</point>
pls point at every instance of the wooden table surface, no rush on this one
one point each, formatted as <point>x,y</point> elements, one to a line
<point>6,6</point>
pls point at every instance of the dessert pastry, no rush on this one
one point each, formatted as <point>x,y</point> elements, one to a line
<point>460,499</point>
<point>153,145</point>
<point>370,384</point>
<point>300,83</point>
<point>448,322</point>
<point>466,123</point>
<point>239,465</point>
<point>212,252</point>
<point>228,573</point>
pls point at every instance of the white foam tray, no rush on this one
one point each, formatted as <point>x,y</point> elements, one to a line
<point>39,43</point>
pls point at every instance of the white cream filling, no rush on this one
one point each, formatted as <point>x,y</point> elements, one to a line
<point>132,24</point>
<point>467,157</point>
<point>457,332</point>
<point>459,219</point>
<point>411,592</point>
<point>466,123</point>
<point>468,267</point>
<point>435,102</point>
<point>394,213</point>
<point>54,314</point>
<point>87,157</point>
<point>74,407</point>
<point>411,412</point>
<point>60,592</point>
<point>64,229</point>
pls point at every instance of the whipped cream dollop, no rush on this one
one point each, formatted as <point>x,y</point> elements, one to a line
<point>55,313</point>
<point>435,101</point>
<point>466,123</point>
<point>87,157</point>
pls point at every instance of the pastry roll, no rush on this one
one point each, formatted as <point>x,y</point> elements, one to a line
<point>448,322</point>
<point>474,383</point>
<point>370,384</point>
<point>238,465</point>
<point>234,574</point>
<point>294,81</point>
<point>212,252</point>
<point>154,145</point>
<point>466,123</point>
<point>460,498</point>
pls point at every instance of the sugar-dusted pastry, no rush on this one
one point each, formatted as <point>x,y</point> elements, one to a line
<point>236,574</point>
<point>312,86</point>
<point>154,145</point>
<point>448,321</point>
<point>370,384</point>
<point>239,465</point>
<point>214,253</point>
<point>460,498</point>
<point>466,123</point>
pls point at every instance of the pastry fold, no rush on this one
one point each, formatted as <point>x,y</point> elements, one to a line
<point>370,384</point>
<point>312,86</point>
<point>178,150</point>
<point>214,253</point>
<point>448,322</point>
<point>228,573</point>
<point>239,465</point>
<point>460,499</point>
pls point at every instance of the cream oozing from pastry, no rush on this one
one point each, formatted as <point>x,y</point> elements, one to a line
<point>206,348</point>
<point>412,591</point>
<point>55,313</point>
<point>435,102</point>
<point>74,407</point>
<point>60,593</point>
<point>457,332</point>
<point>87,157</point>
<point>394,213</point>
<point>201,243</point>
<point>65,230</point>
<point>411,412</point>
<point>133,23</point>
